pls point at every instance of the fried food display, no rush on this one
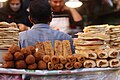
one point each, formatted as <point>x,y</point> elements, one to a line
<point>42,65</point>
<point>92,53</point>
<point>32,66</point>
<point>14,48</point>
<point>18,56</point>
<point>20,64</point>
<point>8,64</point>
<point>30,59</point>
<point>7,56</point>
<point>46,58</point>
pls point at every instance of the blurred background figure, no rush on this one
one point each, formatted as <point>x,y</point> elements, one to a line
<point>14,11</point>
<point>64,18</point>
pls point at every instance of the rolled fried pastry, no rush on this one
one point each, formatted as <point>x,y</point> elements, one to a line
<point>77,65</point>
<point>79,57</point>
<point>46,58</point>
<point>69,65</point>
<point>50,66</point>
<point>102,63</point>
<point>63,60</point>
<point>114,63</point>
<point>55,59</point>
<point>89,64</point>
<point>71,58</point>
<point>113,53</point>
<point>59,66</point>
<point>102,54</point>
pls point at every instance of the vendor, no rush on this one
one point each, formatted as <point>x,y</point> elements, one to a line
<point>14,12</point>
<point>40,16</point>
<point>64,18</point>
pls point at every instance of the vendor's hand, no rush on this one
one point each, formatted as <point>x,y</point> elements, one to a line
<point>22,27</point>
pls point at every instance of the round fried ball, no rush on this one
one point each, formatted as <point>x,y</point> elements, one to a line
<point>32,66</point>
<point>42,65</point>
<point>18,56</point>
<point>39,56</point>
<point>7,56</point>
<point>30,59</point>
<point>8,64</point>
<point>32,49</point>
<point>25,51</point>
<point>14,48</point>
<point>20,64</point>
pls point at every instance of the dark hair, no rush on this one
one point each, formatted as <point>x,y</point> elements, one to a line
<point>8,4</point>
<point>40,11</point>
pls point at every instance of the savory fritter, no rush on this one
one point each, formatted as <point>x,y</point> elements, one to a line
<point>39,56</point>
<point>30,59</point>
<point>20,64</point>
<point>32,66</point>
<point>42,65</point>
<point>7,56</point>
<point>31,48</point>
<point>8,64</point>
<point>18,56</point>
<point>25,51</point>
<point>14,48</point>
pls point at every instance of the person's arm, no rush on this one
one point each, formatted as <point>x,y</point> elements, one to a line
<point>76,16</point>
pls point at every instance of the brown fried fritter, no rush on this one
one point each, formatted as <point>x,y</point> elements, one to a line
<point>32,49</point>
<point>32,66</point>
<point>30,59</point>
<point>14,48</point>
<point>39,56</point>
<point>7,56</point>
<point>8,64</point>
<point>42,65</point>
<point>18,56</point>
<point>20,64</point>
<point>26,51</point>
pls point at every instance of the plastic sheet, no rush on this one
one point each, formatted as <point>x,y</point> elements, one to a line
<point>99,75</point>
<point>76,74</point>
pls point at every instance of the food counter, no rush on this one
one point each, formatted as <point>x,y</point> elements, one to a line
<point>76,74</point>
